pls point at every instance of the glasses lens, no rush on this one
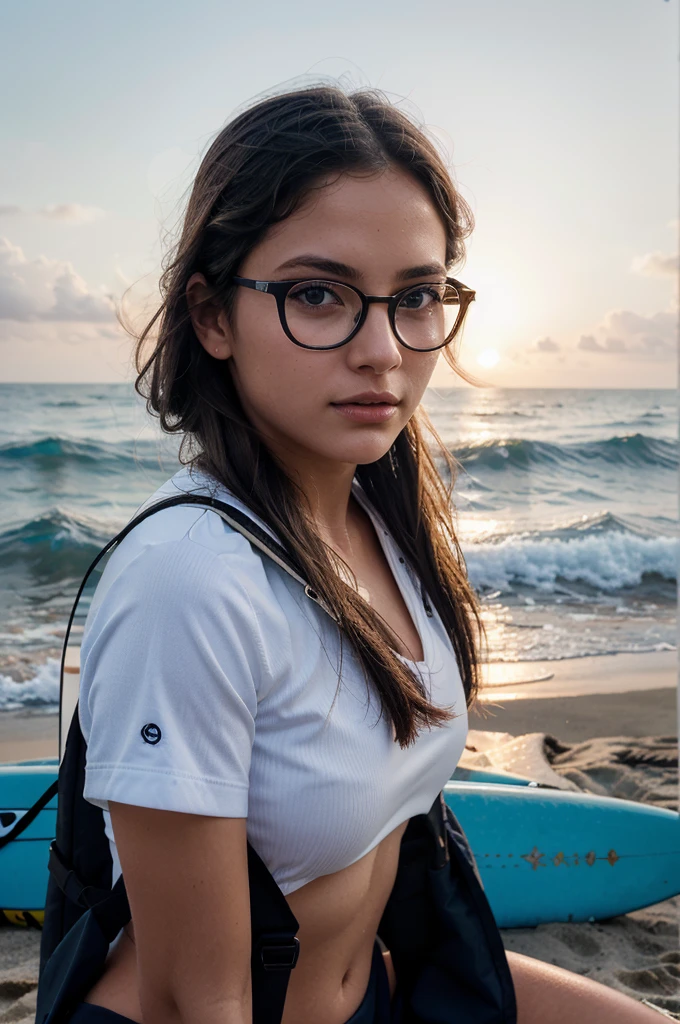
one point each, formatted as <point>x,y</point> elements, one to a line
<point>321,313</point>
<point>427,314</point>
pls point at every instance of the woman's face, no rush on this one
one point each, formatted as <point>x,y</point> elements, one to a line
<point>381,226</point>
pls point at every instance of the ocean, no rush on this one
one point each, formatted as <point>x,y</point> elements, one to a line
<point>566,503</point>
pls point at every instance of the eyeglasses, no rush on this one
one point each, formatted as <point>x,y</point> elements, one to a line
<point>319,314</point>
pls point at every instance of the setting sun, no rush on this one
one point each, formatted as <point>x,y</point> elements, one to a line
<point>488,357</point>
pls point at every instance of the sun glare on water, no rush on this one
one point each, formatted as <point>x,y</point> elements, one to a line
<point>488,357</point>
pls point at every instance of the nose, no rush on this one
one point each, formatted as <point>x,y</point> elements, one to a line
<point>375,344</point>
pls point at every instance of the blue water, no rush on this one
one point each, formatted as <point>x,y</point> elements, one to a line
<point>566,500</point>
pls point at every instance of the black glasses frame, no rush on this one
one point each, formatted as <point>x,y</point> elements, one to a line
<point>280,289</point>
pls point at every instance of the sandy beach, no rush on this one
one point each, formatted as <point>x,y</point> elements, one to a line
<point>605,725</point>
<point>575,727</point>
<point>581,698</point>
<point>26,736</point>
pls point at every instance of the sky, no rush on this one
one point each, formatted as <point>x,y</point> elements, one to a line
<point>559,121</point>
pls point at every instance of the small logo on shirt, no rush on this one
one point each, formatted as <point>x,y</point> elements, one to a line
<point>151,733</point>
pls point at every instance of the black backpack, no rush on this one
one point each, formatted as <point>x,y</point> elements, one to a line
<point>445,945</point>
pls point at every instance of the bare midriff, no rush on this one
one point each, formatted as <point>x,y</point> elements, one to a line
<point>338,916</point>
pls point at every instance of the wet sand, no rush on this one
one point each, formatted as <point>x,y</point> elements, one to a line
<point>580,677</point>
<point>574,719</point>
<point>25,736</point>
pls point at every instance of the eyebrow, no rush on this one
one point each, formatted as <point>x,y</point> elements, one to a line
<point>327,266</point>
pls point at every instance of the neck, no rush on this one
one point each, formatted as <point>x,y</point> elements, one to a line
<point>330,499</point>
<point>328,489</point>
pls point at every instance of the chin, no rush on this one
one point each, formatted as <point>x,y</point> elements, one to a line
<point>361,454</point>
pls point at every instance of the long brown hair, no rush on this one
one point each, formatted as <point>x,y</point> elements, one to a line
<point>257,171</point>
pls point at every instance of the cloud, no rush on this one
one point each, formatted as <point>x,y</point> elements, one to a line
<point>636,330</point>
<point>547,345</point>
<point>639,336</point>
<point>72,213</point>
<point>45,289</point>
<point>652,343</point>
<point>656,264</point>
<point>622,331</point>
<point>76,213</point>
<point>589,343</point>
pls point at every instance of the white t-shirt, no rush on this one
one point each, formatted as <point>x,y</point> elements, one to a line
<point>208,686</point>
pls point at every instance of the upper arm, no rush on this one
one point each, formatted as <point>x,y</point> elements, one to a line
<point>172,664</point>
<point>186,877</point>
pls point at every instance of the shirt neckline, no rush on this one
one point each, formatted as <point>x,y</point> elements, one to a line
<point>403,581</point>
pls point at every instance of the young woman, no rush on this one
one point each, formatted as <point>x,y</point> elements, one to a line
<point>304,309</point>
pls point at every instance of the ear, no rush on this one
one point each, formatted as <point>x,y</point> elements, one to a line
<point>208,318</point>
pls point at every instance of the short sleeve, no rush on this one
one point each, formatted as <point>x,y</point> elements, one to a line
<point>171,663</point>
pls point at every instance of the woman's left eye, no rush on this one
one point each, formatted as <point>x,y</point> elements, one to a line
<point>419,299</point>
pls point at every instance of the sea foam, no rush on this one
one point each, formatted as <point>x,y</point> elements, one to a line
<point>608,561</point>
<point>40,691</point>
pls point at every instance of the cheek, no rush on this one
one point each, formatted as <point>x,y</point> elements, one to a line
<point>280,382</point>
<point>419,367</point>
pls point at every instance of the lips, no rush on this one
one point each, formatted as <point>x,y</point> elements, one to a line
<point>366,412</point>
<point>369,398</point>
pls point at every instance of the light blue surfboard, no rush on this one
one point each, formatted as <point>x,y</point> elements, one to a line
<point>554,855</point>
<point>543,854</point>
<point>23,862</point>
